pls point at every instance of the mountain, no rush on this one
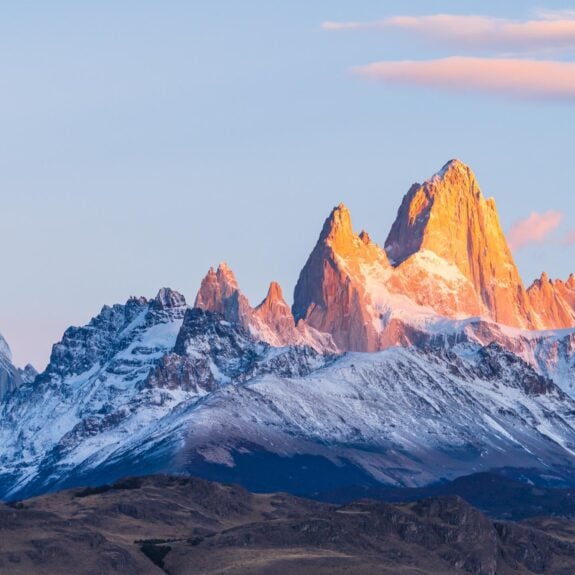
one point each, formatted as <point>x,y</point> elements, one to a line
<point>445,257</point>
<point>180,525</point>
<point>401,366</point>
<point>82,398</point>
<point>451,205</point>
<point>553,301</point>
<point>271,321</point>
<point>331,294</point>
<point>10,377</point>
<point>118,393</point>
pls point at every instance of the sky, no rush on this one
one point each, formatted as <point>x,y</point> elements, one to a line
<point>142,142</point>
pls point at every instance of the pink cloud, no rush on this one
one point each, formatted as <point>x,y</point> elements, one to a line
<point>533,229</point>
<point>511,77</point>
<point>549,30</point>
<point>337,26</point>
<point>569,238</point>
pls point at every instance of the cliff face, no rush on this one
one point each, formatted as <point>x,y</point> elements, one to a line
<point>331,294</point>
<point>272,321</point>
<point>445,257</point>
<point>449,217</point>
<point>553,301</point>
<point>274,312</point>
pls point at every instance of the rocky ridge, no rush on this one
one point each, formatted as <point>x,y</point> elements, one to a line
<point>454,381</point>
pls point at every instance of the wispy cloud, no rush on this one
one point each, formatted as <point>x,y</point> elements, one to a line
<point>550,30</point>
<point>547,14</point>
<point>569,238</point>
<point>509,77</point>
<point>339,26</point>
<point>534,229</point>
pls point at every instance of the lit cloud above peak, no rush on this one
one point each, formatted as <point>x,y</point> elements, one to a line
<point>536,228</point>
<point>549,30</point>
<point>518,78</point>
<point>525,74</point>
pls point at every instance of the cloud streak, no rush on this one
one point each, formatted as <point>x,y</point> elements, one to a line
<point>508,77</point>
<point>534,229</point>
<point>551,30</point>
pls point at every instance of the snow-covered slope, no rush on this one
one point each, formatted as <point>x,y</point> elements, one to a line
<point>120,384</point>
<point>155,387</point>
<point>403,416</point>
<point>94,374</point>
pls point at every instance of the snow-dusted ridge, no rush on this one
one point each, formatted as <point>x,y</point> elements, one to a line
<point>154,385</point>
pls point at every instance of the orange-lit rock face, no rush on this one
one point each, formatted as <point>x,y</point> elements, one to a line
<point>449,216</point>
<point>553,302</point>
<point>330,294</point>
<point>216,288</point>
<point>449,259</point>
<point>430,281</point>
<point>219,293</point>
<point>276,314</point>
<point>272,321</point>
<point>567,291</point>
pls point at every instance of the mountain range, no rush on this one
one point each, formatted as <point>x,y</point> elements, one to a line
<point>405,365</point>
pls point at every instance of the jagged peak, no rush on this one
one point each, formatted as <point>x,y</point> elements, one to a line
<point>217,286</point>
<point>338,236</point>
<point>169,298</point>
<point>273,297</point>
<point>5,349</point>
<point>570,283</point>
<point>138,300</point>
<point>225,274</point>
<point>365,237</point>
<point>455,166</point>
<point>454,178</point>
<point>275,292</point>
<point>542,280</point>
<point>337,226</point>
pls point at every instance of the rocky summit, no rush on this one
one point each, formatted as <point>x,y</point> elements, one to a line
<point>400,366</point>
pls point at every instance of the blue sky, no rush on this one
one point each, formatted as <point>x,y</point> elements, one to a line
<point>142,142</point>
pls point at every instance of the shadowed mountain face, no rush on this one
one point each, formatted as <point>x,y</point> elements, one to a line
<point>495,494</point>
<point>182,526</point>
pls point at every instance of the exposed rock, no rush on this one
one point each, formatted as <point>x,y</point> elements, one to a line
<point>219,293</point>
<point>271,322</point>
<point>330,294</point>
<point>168,298</point>
<point>10,377</point>
<point>211,352</point>
<point>553,302</point>
<point>216,288</point>
<point>276,313</point>
<point>449,216</point>
<point>28,374</point>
